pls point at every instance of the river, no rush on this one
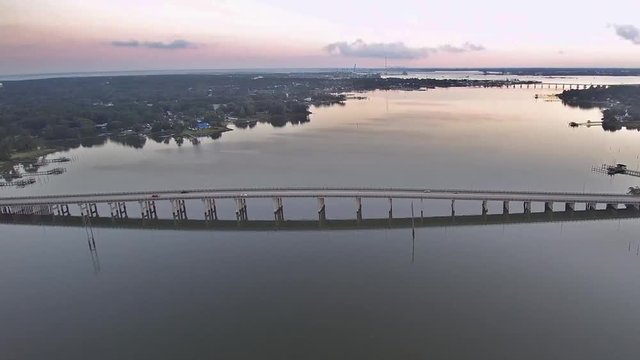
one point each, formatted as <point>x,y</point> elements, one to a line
<point>526,291</point>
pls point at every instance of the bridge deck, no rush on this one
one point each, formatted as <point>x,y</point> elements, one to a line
<point>395,193</point>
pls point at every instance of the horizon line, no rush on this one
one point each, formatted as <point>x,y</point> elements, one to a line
<point>99,73</point>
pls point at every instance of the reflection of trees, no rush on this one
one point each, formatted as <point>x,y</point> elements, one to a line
<point>157,137</point>
<point>135,141</point>
<point>93,141</point>
<point>612,126</point>
<point>294,119</point>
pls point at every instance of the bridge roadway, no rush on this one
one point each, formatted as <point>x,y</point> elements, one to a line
<point>391,193</point>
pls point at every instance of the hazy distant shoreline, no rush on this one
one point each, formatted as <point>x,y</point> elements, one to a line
<point>546,72</point>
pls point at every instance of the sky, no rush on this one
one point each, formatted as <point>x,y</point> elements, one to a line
<point>39,36</point>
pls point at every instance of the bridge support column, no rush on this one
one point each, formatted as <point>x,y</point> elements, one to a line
<point>453,207</point>
<point>569,206</point>
<point>60,209</point>
<point>359,210</point>
<point>122,208</point>
<point>548,206</point>
<point>612,206</point>
<point>148,210</point>
<point>322,211</point>
<point>93,208</point>
<point>390,208</point>
<point>633,206</point>
<point>21,210</point>
<point>485,208</point>
<point>527,207</point>
<point>88,209</point>
<point>42,210</point>
<point>178,209</point>
<point>241,209</point>
<point>505,207</point>
<point>118,210</point>
<point>210,211</point>
<point>591,206</point>
<point>114,211</point>
<point>278,209</point>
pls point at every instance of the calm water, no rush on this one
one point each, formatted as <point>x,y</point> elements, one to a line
<point>537,291</point>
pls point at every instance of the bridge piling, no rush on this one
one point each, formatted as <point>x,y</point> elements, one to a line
<point>178,209</point>
<point>633,206</point>
<point>453,207</point>
<point>527,207</point>
<point>278,209</point>
<point>322,211</point>
<point>505,207</point>
<point>241,209</point>
<point>60,209</point>
<point>210,211</point>
<point>122,209</point>
<point>118,210</point>
<point>148,209</point>
<point>390,208</point>
<point>548,206</point>
<point>485,208</point>
<point>88,209</point>
<point>115,214</point>
<point>359,210</point>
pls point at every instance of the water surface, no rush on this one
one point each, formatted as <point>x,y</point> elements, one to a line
<point>563,290</point>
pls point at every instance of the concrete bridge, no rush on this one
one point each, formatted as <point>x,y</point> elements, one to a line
<point>557,86</point>
<point>121,202</point>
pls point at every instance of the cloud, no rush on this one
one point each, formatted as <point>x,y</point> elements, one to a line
<point>359,48</point>
<point>628,32</point>
<point>175,44</point>
<point>393,50</point>
<point>460,49</point>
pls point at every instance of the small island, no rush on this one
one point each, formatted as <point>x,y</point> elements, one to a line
<point>620,104</point>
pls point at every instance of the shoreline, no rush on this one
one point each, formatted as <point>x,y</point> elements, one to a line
<point>28,156</point>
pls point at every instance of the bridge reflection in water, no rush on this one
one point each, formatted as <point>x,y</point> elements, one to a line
<point>333,224</point>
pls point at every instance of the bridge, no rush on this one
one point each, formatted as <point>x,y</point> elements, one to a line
<point>146,201</point>
<point>552,85</point>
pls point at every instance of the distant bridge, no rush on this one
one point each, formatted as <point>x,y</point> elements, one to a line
<point>61,205</point>
<point>557,86</point>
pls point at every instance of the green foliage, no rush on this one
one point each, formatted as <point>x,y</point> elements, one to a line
<point>69,109</point>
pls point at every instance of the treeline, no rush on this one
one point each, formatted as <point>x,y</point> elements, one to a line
<point>33,112</point>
